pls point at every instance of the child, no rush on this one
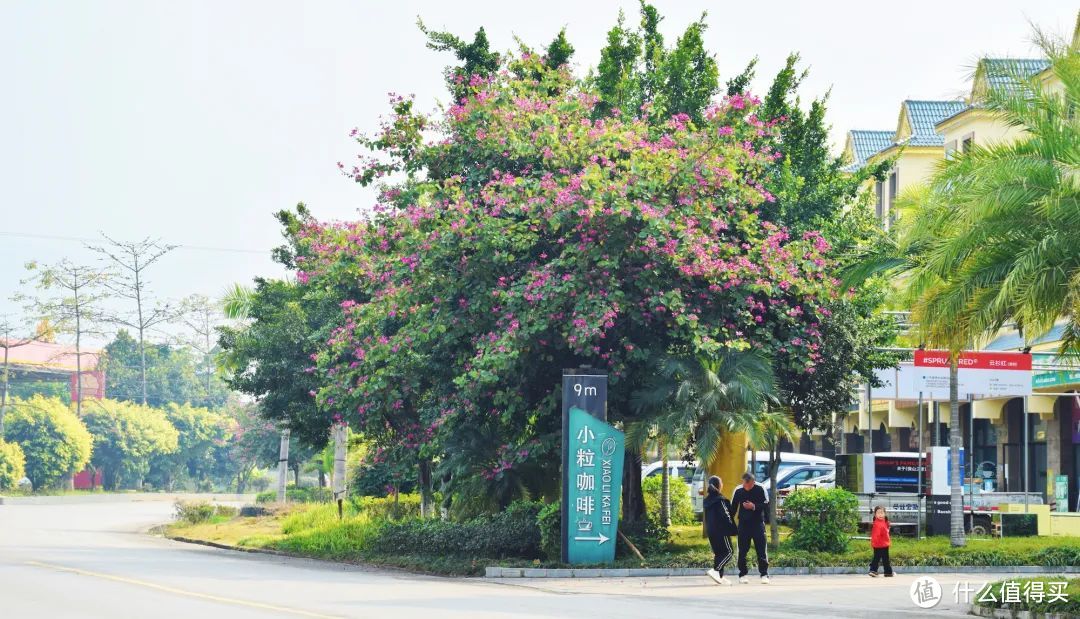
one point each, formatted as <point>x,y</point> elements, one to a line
<point>719,526</point>
<point>879,541</point>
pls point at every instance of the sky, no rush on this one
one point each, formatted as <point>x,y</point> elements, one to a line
<point>195,121</point>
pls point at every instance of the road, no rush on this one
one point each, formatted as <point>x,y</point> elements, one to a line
<point>95,560</point>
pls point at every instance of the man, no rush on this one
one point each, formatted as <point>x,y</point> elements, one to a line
<point>750,503</point>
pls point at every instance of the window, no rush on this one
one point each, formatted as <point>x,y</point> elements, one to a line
<point>950,148</point>
<point>878,206</point>
<point>796,478</point>
<point>967,142</point>
<point>893,188</point>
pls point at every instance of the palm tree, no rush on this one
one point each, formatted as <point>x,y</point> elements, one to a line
<point>236,302</point>
<point>992,236</point>
<point>772,428</point>
<point>694,400</point>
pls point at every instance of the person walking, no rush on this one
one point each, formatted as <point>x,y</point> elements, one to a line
<point>720,528</point>
<point>749,503</point>
<point>880,542</point>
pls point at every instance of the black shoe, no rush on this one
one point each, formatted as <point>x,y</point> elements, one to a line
<point>873,574</point>
<point>889,575</point>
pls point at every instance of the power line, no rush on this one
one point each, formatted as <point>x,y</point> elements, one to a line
<point>78,239</point>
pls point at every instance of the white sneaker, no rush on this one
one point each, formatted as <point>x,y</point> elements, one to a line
<point>744,580</point>
<point>724,581</point>
<point>715,575</point>
<point>764,580</point>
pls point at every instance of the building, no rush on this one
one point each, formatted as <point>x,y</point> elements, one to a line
<point>928,132</point>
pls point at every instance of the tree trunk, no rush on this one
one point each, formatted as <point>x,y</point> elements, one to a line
<point>774,468</point>
<point>956,528</point>
<point>665,487</point>
<point>633,503</point>
<point>424,481</point>
<point>4,391</point>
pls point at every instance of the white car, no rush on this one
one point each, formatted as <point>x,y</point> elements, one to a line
<point>788,461</point>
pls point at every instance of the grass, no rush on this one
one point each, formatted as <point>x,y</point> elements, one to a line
<point>314,531</point>
<point>1069,607</point>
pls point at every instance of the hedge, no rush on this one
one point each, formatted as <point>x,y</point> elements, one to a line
<point>12,465</point>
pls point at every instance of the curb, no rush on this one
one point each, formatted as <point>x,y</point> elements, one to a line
<point>1001,613</point>
<point>203,542</point>
<point>672,572</point>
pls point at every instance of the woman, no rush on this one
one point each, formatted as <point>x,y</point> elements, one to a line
<point>719,527</point>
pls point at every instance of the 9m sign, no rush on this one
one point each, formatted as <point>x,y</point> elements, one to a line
<point>989,374</point>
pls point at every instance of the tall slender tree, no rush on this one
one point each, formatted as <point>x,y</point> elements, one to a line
<point>70,298</point>
<point>130,261</point>
<point>7,342</point>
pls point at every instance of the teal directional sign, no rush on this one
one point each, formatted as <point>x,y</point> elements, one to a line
<point>592,472</point>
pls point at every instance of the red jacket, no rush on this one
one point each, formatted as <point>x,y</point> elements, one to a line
<point>879,534</point>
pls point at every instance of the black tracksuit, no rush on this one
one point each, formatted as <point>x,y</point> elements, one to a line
<point>751,526</point>
<point>719,527</point>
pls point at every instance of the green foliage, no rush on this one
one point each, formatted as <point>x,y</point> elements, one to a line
<point>270,355</point>
<point>54,441</point>
<point>201,456</point>
<point>304,494</point>
<point>476,57</point>
<point>198,512</point>
<point>12,465</point>
<point>511,533</point>
<point>172,374</point>
<point>45,388</point>
<point>649,535</point>
<point>126,437</point>
<point>393,507</point>
<point>637,76</point>
<point>549,521</point>
<point>682,511</point>
<point>822,519</point>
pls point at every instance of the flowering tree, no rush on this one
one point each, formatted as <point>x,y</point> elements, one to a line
<point>522,235</point>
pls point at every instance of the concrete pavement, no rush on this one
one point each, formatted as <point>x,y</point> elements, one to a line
<point>94,560</point>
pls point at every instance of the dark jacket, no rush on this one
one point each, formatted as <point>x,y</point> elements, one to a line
<point>718,521</point>
<point>750,518</point>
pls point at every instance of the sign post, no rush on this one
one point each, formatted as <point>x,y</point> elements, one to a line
<point>592,464</point>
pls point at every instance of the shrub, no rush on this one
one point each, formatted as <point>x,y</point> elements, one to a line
<point>389,507</point>
<point>549,521</point>
<point>126,437</point>
<point>198,512</point>
<point>822,519</point>
<point>54,441</point>
<point>194,512</point>
<point>12,465</point>
<point>304,494</point>
<point>510,533</point>
<point>648,536</point>
<point>682,511</point>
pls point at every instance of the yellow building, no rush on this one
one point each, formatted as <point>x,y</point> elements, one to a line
<point>993,430</point>
<point>915,147</point>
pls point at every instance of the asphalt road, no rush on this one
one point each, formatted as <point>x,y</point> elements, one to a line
<point>95,560</point>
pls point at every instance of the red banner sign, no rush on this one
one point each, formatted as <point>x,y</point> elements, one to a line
<point>975,360</point>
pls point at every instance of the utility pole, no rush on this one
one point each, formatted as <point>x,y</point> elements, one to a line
<point>283,465</point>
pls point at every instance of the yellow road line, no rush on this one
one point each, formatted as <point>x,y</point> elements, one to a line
<point>190,594</point>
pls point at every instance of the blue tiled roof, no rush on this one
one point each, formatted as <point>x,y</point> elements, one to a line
<point>866,143</point>
<point>923,115</point>
<point>1013,341</point>
<point>1000,72</point>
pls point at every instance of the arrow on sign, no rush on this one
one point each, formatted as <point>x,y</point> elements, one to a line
<point>600,538</point>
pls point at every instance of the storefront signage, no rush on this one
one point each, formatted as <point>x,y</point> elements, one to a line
<point>1056,378</point>
<point>898,473</point>
<point>986,374</point>
<point>592,472</point>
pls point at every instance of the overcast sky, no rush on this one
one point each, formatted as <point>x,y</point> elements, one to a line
<point>195,121</point>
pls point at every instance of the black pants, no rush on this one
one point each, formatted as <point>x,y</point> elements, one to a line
<point>721,549</point>
<point>881,555</point>
<point>757,535</point>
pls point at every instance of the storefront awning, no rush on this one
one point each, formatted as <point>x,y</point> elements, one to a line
<point>1041,404</point>
<point>989,409</point>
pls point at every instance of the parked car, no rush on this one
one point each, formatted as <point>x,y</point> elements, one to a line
<point>788,462</point>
